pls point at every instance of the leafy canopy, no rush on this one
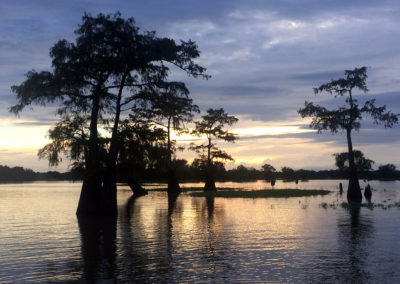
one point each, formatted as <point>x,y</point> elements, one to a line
<point>167,104</point>
<point>99,75</point>
<point>268,168</point>
<point>348,116</point>
<point>212,126</point>
<point>106,48</point>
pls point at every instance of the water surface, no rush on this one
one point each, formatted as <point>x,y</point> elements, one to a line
<point>197,239</point>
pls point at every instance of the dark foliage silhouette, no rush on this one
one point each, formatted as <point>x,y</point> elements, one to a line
<point>269,171</point>
<point>170,107</point>
<point>211,126</point>
<point>8,174</point>
<point>288,174</point>
<point>96,78</point>
<point>387,171</point>
<point>20,174</point>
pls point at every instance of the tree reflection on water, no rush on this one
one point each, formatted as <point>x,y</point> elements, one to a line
<point>345,261</point>
<point>98,247</point>
<point>189,238</point>
<point>354,237</point>
<point>180,239</point>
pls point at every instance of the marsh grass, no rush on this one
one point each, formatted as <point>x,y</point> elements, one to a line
<point>281,193</point>
<point>190,189</point>
<point>370,205</point>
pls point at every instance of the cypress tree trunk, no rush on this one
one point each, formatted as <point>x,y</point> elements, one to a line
<point>173,185</point>
<point>353,190</point>
<point>109,192</point>
<point>210,181</point>
<point>136,188</point>
<point>90,198</point>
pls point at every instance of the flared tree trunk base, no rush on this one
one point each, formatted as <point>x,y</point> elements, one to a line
<point>98,198</point>
<point>90,198</point>
<point>210,182</point>
<point>173,184</point>
<point>354,191</point>
<point>136,188</point>
<point>210,186</point>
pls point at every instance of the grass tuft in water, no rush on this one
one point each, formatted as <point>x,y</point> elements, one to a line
<point>370,205</point>
<point>281,193</point>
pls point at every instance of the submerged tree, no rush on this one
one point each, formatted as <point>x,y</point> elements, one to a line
<point>99,76</point>
<point>169,106</point>
<point>211,126</point>
<point>347,117</point>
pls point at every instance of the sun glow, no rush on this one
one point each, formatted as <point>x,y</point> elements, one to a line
<point>252,160</point>
<point>247,131</point>
<point>21,136</point>
<point>258,131</point>
<point>185,137</point>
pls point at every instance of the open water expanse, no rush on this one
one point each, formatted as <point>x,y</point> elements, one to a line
<point>192,239</point>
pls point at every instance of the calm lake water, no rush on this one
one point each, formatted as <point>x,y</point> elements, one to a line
<point>198,239</point>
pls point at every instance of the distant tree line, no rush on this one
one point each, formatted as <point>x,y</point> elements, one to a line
<point>197,172</point>
<point>20,174</point>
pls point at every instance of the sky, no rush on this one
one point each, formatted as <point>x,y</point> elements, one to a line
<point>264,57</point>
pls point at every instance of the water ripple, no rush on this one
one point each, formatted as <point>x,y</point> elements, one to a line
<point>195,239</point>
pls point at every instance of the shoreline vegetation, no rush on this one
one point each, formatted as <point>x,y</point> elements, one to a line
<point>189,174</point>
<point>20,174</point>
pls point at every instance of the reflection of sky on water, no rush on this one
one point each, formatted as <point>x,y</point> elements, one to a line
<point>332,185</point>
<point>283,240</point>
